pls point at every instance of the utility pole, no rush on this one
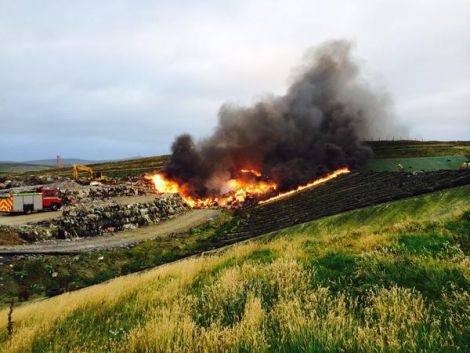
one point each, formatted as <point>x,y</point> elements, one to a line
<point>60,161</point>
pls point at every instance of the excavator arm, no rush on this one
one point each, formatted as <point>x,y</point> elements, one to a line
<point>92,175</point>
<point>77,168</point>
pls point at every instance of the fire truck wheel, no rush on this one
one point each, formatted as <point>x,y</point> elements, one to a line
<point>55,207</point>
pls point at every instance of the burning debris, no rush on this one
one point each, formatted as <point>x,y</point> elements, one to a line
<point>315,182</point>
<point>240,192</point>
<point>282,142</point>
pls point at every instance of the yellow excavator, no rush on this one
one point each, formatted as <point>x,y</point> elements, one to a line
<point>92,175</point>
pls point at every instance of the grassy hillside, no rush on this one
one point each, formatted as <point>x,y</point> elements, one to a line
<point>7,167</point>
<point>417,155</point>
<point>129,167</point>
<point>409,149</point>
<point>387,278</point>
<point>416,163</point>
<point>387,155</point>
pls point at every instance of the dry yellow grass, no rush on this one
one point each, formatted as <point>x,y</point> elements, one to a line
<point>262,296</point>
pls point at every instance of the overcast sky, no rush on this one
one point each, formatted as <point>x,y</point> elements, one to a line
<point>113,79</point>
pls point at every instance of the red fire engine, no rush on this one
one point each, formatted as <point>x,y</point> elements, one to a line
<point>27,202</point>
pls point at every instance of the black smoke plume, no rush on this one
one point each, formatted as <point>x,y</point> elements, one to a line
<point>316,127</point>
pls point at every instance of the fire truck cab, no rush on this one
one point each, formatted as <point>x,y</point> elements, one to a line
<point>27,202</point>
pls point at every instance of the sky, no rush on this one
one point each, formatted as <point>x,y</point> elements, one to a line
<point>114,79</point>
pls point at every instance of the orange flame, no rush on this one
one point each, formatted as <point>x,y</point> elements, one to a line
<point>252,171</point>
<point>240,189</point>
<point>164,185</point>
<point>315,182</point>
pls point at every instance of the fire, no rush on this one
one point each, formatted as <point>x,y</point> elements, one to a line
<point>315,182</point>
<point>240,190</point>
<point>164,185</point>
<point>251,171</point>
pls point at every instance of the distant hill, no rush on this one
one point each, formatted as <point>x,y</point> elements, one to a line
<point>17,167</point>
<point>67,162</point>
<point>118,167</point>
<point>413,155</point>
<point>39,165</point>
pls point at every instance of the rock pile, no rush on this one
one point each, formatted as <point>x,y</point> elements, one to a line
<point>93,221</point>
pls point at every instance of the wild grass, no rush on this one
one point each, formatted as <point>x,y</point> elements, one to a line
<point>410,149</point>
<point>29,277</point>
<point>388,278</point>
<point>416,164</point>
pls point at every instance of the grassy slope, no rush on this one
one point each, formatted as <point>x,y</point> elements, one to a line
<point>409,149</point>
<point>130,167</point>
<point>390,277</point>
<point>416,155</point>
<point>416,163</point>
<point>384,151</point>
<point>29,277</point>
<point>21,167</point>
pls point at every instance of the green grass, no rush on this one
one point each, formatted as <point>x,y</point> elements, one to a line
<point>386,278</point>
<point>21,167</point>
<point>27,278</point>
<point>416,163</point>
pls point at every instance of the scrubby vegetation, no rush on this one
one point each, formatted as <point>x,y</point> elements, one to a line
<point>387,278</point>
<point>6,167</point>
<point>27,277</point>
<point>410,148</point>
<point>119,168</point>
<point>408,153</point>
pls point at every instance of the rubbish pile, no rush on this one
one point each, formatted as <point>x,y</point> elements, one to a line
<point>77,222</point>
<point>86,194</point>
<point>8,182</point>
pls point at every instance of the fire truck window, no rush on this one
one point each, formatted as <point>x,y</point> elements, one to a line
<point>50,193</point>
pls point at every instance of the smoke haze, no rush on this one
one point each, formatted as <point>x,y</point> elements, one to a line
<point>316,127</point>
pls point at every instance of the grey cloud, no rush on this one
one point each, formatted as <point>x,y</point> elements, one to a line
<point>136,74</point>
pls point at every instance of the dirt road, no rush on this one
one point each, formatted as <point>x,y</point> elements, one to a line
<point>17,220</point>
<point>177,224</point>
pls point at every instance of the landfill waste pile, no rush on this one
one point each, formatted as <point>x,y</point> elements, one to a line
<point>73,193</point>
<point>8,182</point>
<point>83,221</point>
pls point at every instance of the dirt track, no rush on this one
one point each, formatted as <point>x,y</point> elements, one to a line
<point>17,220</point>
<point>175,225</point>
